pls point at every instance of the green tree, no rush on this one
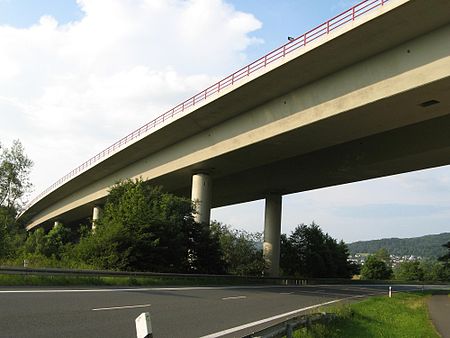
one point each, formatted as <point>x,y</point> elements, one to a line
<point>143,228</point>
<point>375,268</point>
<point>15,169</point>
<point>308,252</point>
<point>446,258</point>
<point>241,251</point>
<point>409,271</point>
<point>383,254</point>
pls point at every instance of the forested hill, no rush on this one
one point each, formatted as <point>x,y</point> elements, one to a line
<point>425,246</point>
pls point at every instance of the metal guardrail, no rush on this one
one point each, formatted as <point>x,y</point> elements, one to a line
<point>287,328</point>
<point>324,29</point>
<point>107,273</point>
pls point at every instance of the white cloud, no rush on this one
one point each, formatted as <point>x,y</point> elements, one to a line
<point>68,91</point>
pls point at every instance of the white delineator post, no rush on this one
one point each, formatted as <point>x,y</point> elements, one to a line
<point>272,234</point>
<point>390,292</point>
<point>201,196</point>
<point>144,326</point>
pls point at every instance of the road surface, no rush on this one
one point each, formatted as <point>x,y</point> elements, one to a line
<point>175,312</point>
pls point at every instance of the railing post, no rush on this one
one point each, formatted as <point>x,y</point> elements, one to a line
<point>353,13</point>
<point>328,27</point>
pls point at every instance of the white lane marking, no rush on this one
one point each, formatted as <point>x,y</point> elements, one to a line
<point>286,293</point>
<point>121,307</point>
<point>262,321</point>
<point>234,297</point>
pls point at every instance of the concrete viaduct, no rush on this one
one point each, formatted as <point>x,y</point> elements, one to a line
<point>364,95</point>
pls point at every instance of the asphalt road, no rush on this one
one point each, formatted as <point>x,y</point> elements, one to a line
<point>175,312</point>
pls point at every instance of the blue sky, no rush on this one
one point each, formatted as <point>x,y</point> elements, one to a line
<point>62,88</point>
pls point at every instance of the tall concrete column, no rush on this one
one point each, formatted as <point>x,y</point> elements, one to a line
<point>96,214</point>
<point>201,196</point>
<point>272,234</point>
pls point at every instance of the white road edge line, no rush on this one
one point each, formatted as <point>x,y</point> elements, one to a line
<point>234,297</point>
<point>121,307</point>
<point>262,321</point>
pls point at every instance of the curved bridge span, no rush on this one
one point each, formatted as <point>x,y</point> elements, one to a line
<point>364,95</point>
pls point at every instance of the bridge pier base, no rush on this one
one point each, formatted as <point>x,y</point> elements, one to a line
<point>201,196</point>
<point>272,234</point>
<point>96,214</point>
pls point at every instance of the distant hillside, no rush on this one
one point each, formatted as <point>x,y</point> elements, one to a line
<point>426,246</point>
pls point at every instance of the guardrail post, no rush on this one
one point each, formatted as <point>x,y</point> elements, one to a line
<point>144,326</point>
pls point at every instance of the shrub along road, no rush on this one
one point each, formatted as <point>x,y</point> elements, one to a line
<point>175,312</point>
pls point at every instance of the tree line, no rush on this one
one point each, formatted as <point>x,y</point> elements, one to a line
<point>379,266</point>
<point>145,229</point>
<point>429,246</point>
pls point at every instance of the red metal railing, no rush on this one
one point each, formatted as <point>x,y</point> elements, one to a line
<point>310,36</point>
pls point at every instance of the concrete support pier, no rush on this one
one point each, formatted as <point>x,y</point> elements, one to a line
<point>201,196</point>
<point>272,234</point>
<point>96,214</point>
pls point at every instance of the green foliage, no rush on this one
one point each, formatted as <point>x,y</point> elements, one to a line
<point>375,268</point>
<point>240,252</point>
<point>403,315</point>
<point>424,270</point>
<point>14,175</point>
<point>429,246</point>
<point>308,252</point>
<point>446,258</point>
<point>409,271</point>
<point>384,255</point>
<point>145,229</point>
<point>11,236</point>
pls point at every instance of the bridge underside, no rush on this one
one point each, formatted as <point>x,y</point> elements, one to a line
<point>254,173</point>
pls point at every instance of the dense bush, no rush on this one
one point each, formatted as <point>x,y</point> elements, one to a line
<point>375,268</point>
<point>241,251</point>
<point>145,229</point>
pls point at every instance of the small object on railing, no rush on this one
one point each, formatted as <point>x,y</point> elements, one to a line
<point>390,292</point>
<point>144,326</point>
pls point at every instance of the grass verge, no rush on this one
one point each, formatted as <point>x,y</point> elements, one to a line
<point>403,315</point>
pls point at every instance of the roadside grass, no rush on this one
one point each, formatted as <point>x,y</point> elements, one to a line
<point>51,280</point>
<point>403,315</point>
